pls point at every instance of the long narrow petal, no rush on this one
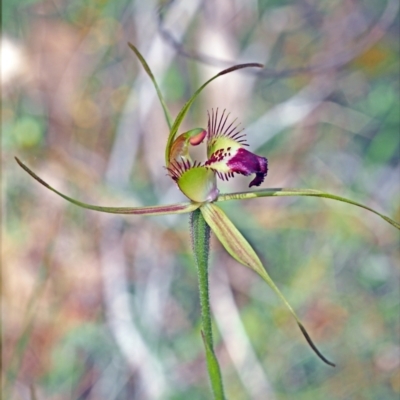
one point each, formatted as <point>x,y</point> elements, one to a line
<point>239,248</point>
<point>152,210</point>
<point>150,74</point>
<point>188,104</point>
<point>299,192</point>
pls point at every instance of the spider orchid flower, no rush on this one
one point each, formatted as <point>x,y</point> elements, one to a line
<point>226,151</point>
<point>226,156</point>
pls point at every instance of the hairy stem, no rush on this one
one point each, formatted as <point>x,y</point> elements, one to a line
<point>201,245</point>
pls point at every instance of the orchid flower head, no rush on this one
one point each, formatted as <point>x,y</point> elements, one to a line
<point>227,155</point>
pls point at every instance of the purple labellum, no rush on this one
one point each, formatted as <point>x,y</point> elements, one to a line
<point>246,163</point>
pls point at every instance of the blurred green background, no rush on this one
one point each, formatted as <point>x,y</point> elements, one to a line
<point>104,307</point>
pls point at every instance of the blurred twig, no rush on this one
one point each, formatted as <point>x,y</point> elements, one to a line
<point>28,319</point>
<point>303,103</point>
<point>118,313</point>
<point>335,60</point>
<point>235,338</point>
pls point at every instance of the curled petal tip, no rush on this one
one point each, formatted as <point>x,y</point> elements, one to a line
<point>261,170</point>
<point>312,345</point>
<point>258,180</point>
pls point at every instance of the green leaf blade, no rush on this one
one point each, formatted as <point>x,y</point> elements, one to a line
<point>179,208</point>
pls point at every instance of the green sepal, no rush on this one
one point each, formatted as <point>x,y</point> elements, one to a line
<point>152,210</point>
<point>274,192</point>
<point>185,108</point>
<point>153,79</point>
<point>239,248</point>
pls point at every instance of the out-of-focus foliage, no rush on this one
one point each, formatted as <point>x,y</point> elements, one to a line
<point>103,307</point>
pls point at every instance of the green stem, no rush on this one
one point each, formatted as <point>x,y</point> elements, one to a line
<point>201,245</point>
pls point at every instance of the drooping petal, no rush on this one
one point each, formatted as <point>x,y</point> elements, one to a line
<point>238,247</point>
<point>196,181</point>
<point>274,192</point>
<point>226,154</point>
<point>152,210</point>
